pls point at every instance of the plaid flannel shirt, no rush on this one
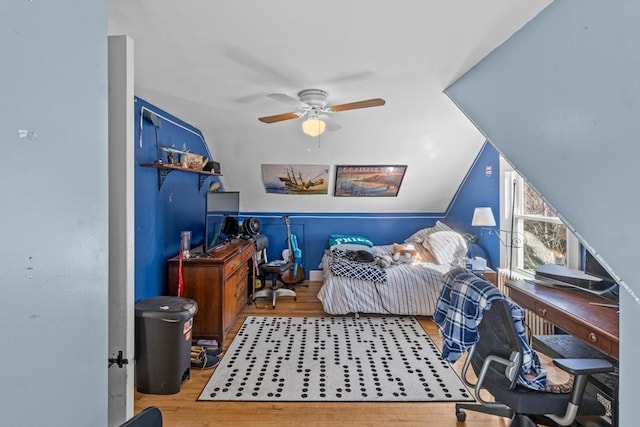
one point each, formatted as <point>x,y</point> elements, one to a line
<point>459,310</point>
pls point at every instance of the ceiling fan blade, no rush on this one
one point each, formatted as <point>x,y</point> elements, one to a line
<point>331,124</point>
<point>279,117</point>
<point>375,102</point>
<point>287,99</point>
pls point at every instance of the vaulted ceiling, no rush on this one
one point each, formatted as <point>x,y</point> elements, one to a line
<point>212,63</point>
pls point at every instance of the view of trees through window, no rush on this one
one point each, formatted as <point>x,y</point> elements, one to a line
<point>545,235</point>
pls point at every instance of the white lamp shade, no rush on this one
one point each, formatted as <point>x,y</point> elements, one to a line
<point>483,217</point>
<point>313,126</point>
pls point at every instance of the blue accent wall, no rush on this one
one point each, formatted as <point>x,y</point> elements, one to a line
<point>481,187</point>
<point>162,213</point>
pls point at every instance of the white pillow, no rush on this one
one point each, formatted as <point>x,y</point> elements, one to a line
<point>420,236</point>
<point>448,247</point>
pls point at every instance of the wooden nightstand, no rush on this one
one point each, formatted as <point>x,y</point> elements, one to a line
<point>489,274</point>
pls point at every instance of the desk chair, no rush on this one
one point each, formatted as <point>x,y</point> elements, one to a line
<point>498,356</point>
<point>273,270</point>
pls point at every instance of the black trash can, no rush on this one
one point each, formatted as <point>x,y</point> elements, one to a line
<point>163,327</point>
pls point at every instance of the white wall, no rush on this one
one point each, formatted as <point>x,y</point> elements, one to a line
<point>561,100</point>
<point>53,213</point>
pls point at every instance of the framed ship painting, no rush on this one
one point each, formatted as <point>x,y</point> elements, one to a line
<point>296,179</point>
<point>368,181</point>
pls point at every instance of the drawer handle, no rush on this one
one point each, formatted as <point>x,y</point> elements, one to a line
<point>593,337</point>
<point>542,311</point>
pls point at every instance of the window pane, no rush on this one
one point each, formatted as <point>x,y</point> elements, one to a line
<point>533,204</point>
<point>546,243</point>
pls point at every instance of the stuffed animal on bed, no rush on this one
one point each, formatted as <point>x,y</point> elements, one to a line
<point>384,261</point>
<point>405,253</point>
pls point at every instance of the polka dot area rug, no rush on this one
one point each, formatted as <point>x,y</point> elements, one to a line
<point>324,359</point>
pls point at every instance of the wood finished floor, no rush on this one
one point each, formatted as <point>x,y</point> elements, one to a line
<point>182,409</point>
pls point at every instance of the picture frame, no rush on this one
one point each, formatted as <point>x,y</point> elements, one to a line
<point>295,179</point>
<point>368,180</point>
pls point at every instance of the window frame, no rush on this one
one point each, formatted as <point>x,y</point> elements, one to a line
<point>512,197</point>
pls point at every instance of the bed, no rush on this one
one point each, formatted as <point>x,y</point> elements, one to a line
<point>402,288</point>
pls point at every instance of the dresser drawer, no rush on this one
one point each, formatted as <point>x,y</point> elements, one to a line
<point>232,265</point>
<point>577,329</point>
<point>239,260</point>
<point>235,296</point>
<point>596,339</point>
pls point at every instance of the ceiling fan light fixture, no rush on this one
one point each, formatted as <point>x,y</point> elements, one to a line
<point>313,126</point>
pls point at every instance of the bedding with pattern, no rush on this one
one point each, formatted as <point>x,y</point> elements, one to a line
<point>402,288</point>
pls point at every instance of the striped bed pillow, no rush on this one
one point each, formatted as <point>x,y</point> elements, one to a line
<point>448,247</point>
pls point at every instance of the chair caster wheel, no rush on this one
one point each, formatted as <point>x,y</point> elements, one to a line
<point>461,415</point>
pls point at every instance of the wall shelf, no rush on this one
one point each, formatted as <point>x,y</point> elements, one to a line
<point>164,170</point>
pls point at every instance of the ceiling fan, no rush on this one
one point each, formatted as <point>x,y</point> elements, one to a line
<point>312,106</point>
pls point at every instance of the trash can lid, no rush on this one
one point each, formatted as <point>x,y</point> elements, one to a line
<point>166,305</point>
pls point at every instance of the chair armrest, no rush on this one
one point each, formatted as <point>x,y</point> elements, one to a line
<point>584,366</point>
<point>581,369</point>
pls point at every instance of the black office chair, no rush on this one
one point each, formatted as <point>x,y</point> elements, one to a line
<point>273,270</point>
<point>496,360</point>
<point>148,417</point>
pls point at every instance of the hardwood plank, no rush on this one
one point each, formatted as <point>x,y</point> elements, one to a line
<point>182,409</point>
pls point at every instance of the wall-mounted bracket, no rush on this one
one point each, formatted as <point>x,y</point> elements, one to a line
<point>164,170</point>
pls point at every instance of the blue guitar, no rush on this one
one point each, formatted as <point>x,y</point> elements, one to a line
<point>296,273</point>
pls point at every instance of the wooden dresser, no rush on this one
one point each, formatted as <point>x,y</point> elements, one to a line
<point>221,284</point>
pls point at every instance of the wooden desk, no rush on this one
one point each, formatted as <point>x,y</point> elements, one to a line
<point>570,311</point>
<point>221,284</point>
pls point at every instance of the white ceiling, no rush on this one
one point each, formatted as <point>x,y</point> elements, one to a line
<point>212,63</point>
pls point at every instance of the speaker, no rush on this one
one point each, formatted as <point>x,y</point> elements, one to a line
<point>230,226</point>
<point>251,226</point>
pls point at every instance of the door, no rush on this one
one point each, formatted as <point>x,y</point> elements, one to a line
<point>121,230</point>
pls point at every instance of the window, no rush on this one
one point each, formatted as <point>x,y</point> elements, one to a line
<point>539,236</point>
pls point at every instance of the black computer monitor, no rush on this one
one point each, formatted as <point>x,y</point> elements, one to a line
<point>594,268</point>
<point>220,206</point>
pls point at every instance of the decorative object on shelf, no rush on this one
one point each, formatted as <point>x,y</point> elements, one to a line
<point>296,179</point>
<point>368,181</point>
<point>212,166</point>
<point>194,161</point>
<point>184,158</point>
<point>172,152</point>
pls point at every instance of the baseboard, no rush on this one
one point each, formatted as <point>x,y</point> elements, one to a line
<point>316,276</point>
